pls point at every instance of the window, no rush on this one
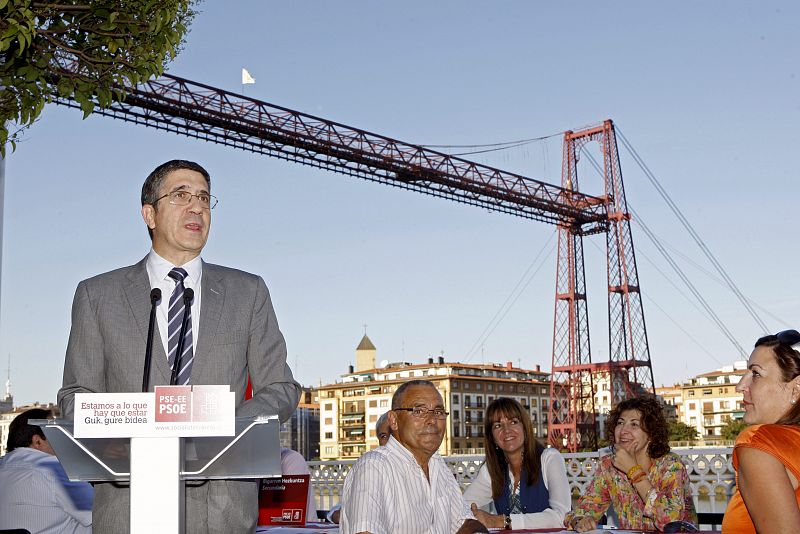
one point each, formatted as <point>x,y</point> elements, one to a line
<point>501,387</point>
<point>455,399</point>
<point>544,391</point>
<point>467,400</point>
<point>691,393</point>
<point>384,403</point>
<point>328,406</point>
<point>534,403</point>
<point>478,386</point>
<point>489,387</point>
<point>456,415</point>
<point>328,435</point>
<point>456,431</point>
<point>373,404</point>
<point>329,420</point>
<point>373,418</point>
<point>692,406</point>
<point>372,432</point>
<point>708,391</point>
<point>466,385</point>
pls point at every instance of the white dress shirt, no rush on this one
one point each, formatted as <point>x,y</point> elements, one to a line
<point>386,492</point>
<point>35,494</point>
<point>158,271</point>
<point>554,477</point>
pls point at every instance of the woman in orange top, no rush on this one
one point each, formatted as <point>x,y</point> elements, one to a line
<point>767,454</point>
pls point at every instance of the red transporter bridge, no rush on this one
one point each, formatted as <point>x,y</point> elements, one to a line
<point>196,110</point>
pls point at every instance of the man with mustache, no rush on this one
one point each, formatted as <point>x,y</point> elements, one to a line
<point>405,486</point>
<point>233,334</point>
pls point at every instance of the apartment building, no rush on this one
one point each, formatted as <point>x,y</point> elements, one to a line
<point>707,401</point>
<point>710,399</point>
<point>350,407</point>
<point>301,431</point>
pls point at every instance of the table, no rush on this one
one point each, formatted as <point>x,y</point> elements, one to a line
<point>327,528</point>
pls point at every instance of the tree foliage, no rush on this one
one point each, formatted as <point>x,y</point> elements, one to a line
<point>732,428</point>
<point>88,51</point>
<point>679,431</point>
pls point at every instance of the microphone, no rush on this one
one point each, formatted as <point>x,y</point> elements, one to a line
<point>188,297</point>
<point>155,296</point>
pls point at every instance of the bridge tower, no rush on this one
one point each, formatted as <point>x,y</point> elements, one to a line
<point>574,378</point>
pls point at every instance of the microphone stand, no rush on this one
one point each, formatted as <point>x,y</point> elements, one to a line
<point>188,296</point>
<point>155,296</point>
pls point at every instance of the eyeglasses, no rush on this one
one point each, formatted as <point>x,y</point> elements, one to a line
<point>184,198</point>
<point>679,526</point>
<point>789,337</point>
<point>421,412</point>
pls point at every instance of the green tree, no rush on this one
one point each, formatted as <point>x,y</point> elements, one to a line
<point>679,431</point>
<point>90,51</point>
<point>732,428</point>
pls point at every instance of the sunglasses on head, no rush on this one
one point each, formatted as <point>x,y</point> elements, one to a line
<point>789,337</point>
<point>680,526</point>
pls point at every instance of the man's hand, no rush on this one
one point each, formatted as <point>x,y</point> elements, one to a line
<point>472,526</point>
<point>488,520</point>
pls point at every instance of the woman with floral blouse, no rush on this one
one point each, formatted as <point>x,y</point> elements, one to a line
<point>647,485</point>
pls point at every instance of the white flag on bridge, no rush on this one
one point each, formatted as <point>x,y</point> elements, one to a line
<point>247,77</point>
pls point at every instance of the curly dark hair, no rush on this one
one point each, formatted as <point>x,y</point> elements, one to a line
<point>652,419</point>
<point>788,359</point>
<point>495,459</point>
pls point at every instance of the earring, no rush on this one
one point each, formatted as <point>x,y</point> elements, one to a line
<point>793,401</point>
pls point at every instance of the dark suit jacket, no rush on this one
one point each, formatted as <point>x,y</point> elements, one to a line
<point>238,337</point>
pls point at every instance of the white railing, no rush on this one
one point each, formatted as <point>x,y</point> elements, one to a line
<point>710,470</point>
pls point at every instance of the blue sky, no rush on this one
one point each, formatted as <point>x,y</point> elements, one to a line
<point>708,93</point>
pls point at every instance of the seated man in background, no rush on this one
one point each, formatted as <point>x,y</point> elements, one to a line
<point>405,486</point>
<point>35,492</point>
<point>293,463</point>
<point>382,432</point>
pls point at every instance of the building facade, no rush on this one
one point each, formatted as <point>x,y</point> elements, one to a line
<point>301,431</point>
<point>707,401</point>
<point>350,408</point>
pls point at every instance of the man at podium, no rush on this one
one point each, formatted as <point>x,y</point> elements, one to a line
<point>231,333</point>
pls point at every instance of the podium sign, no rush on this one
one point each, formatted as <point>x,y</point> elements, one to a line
<point>172,411</point>
<point>158,440</point>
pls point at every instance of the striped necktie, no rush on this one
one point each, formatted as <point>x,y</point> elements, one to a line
<point>175,317</point>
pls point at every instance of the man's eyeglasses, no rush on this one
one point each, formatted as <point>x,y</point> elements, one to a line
<point>184,198</point>
<point>422,412</point>
<point>789,337</point>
